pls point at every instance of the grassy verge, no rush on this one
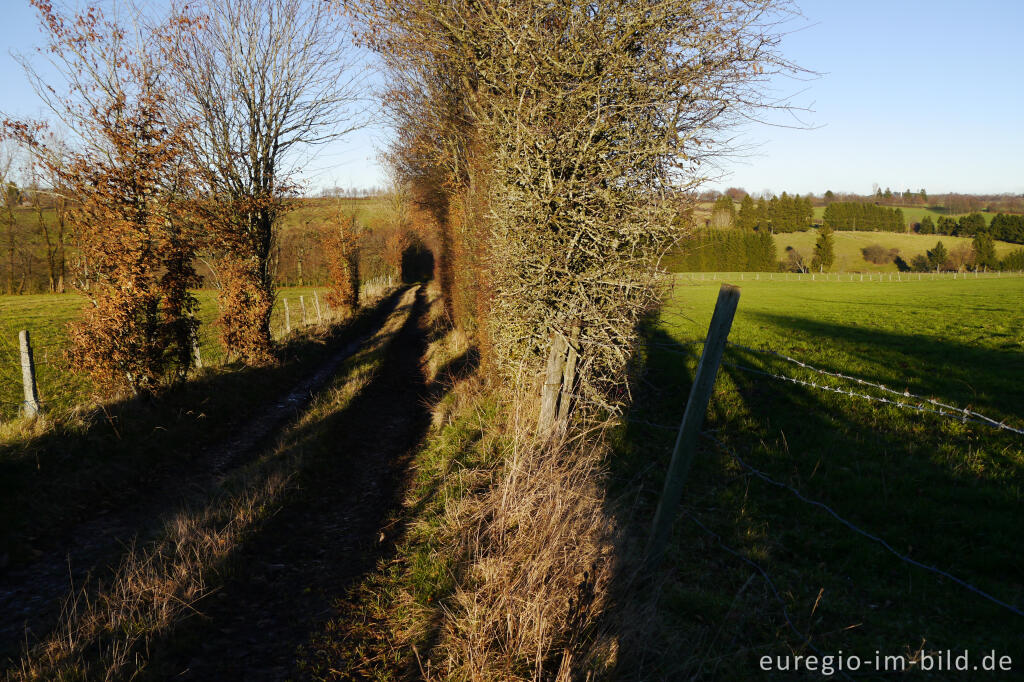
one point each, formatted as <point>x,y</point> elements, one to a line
<point>753,569</point>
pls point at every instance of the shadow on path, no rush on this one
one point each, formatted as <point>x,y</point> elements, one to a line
<point>284,581</point>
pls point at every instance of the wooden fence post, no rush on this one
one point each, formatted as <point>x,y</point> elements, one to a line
<point>569,372</point>
<point>287,318</point>
<point>28,375</point>
<point>552,387</point>
<point>196,353</point>
<point>693,418</point>
<point>316,304</point>
<point>302,304</point>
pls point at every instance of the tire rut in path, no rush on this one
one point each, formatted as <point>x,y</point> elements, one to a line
<point>287,577</point>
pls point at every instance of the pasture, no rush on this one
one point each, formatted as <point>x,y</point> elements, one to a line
<point>849,245</point>
<point>46,317</point>
<point>759,565</point>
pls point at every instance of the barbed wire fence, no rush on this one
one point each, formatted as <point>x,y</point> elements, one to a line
<point>857,389</point>
<point>866,277</point>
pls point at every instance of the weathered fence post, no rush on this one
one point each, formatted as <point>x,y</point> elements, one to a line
<point>28,375</point>
<point>693,418</point>
<point>552,387</point>
<point>316,304</point>
<point>302,304</point>
<point>287,318</point>
<point>569,373</point>
<point>195,352</point>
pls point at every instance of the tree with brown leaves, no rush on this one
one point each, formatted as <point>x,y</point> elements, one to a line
<point>132,223</point>
<point>341,253</point>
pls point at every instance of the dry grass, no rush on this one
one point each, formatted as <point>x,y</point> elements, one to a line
<point>539,544</point>
<point>103,635</point>
<point>507,556</point>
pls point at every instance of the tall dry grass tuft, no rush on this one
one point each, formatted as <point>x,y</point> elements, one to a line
<point>540,548</point>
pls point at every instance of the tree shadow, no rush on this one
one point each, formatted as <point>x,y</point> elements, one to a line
<point>943,492</point>
<point>284,581</point>
<point>73,498</point>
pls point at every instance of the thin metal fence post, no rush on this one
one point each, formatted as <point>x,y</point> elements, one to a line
<point>693,418</point>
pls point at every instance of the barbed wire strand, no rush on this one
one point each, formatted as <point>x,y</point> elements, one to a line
<point>821,505</point>
<point>906,394</point>
<point>960,416</point>
<point>805,639</point>
<point>963,415</point>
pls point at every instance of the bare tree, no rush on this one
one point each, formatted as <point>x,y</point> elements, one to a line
<point>555,143</point>
<point>565,136</point>
<point>265,80</point>
<point>44,178</point>
<point>9,195</point>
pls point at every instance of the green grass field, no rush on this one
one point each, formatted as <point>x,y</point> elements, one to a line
<point>369,211</point>
<point>946,493</point>
<point>848,245</point>
<point>46,317</point>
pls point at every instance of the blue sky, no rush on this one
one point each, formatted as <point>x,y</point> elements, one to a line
<point>910,94</point>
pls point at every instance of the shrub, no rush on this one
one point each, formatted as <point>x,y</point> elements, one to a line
<point>1013,260</point>
<point>134,222</point>
<point>341,251</point>
<point>919,263</point>
<point>879,255</point>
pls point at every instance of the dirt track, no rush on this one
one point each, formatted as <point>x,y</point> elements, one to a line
<point>287,578</point>
<point>30,595</point>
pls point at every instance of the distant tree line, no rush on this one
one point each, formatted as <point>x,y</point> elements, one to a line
<point>719,250</point>
<point>851,215</point>
<point>783,213</point>
<point>1007,228</point>
<point>980,255</point>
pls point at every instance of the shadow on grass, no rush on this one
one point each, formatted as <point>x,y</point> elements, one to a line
<point>967,374</point>
<point>283,584</point>
<point>72,498</point>
<point>945,493</point>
